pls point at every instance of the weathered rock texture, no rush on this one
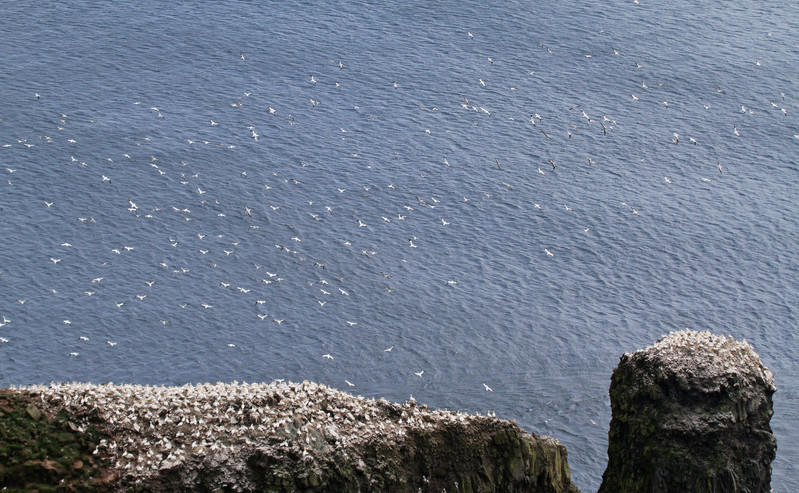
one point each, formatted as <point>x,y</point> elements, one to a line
<point>691,414</point>
<point>299,437</point>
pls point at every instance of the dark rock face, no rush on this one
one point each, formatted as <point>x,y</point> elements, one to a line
<point>489,456</point>
<point>691,414</point>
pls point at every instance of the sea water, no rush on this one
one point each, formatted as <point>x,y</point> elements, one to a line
<point>407,199</point>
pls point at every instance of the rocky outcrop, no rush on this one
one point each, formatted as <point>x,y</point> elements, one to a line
<point>298,437</point>
<point>691,414</point>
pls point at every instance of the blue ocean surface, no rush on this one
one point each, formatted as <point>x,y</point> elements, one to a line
<point>417,198</point>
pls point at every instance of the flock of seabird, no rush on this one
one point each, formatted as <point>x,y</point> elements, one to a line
<point>156,428</point>
<point>216,245</point>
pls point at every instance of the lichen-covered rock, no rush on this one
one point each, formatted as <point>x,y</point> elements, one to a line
<point>691,414</point>
<point>302,437</point>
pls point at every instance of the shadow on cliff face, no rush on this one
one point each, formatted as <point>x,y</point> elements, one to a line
<point>486,455</point>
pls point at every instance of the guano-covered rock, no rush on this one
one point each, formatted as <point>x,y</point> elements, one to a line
<point>286,437</point>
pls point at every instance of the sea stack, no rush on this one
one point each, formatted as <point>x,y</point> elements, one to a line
<point>691,413</point>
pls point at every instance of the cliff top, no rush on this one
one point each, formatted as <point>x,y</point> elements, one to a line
<point>703,356</point>
<point>162,427</point>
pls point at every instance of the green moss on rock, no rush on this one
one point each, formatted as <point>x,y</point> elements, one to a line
<point>41,452</point>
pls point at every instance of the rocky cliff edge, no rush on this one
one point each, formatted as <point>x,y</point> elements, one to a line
<point>278,437</point>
